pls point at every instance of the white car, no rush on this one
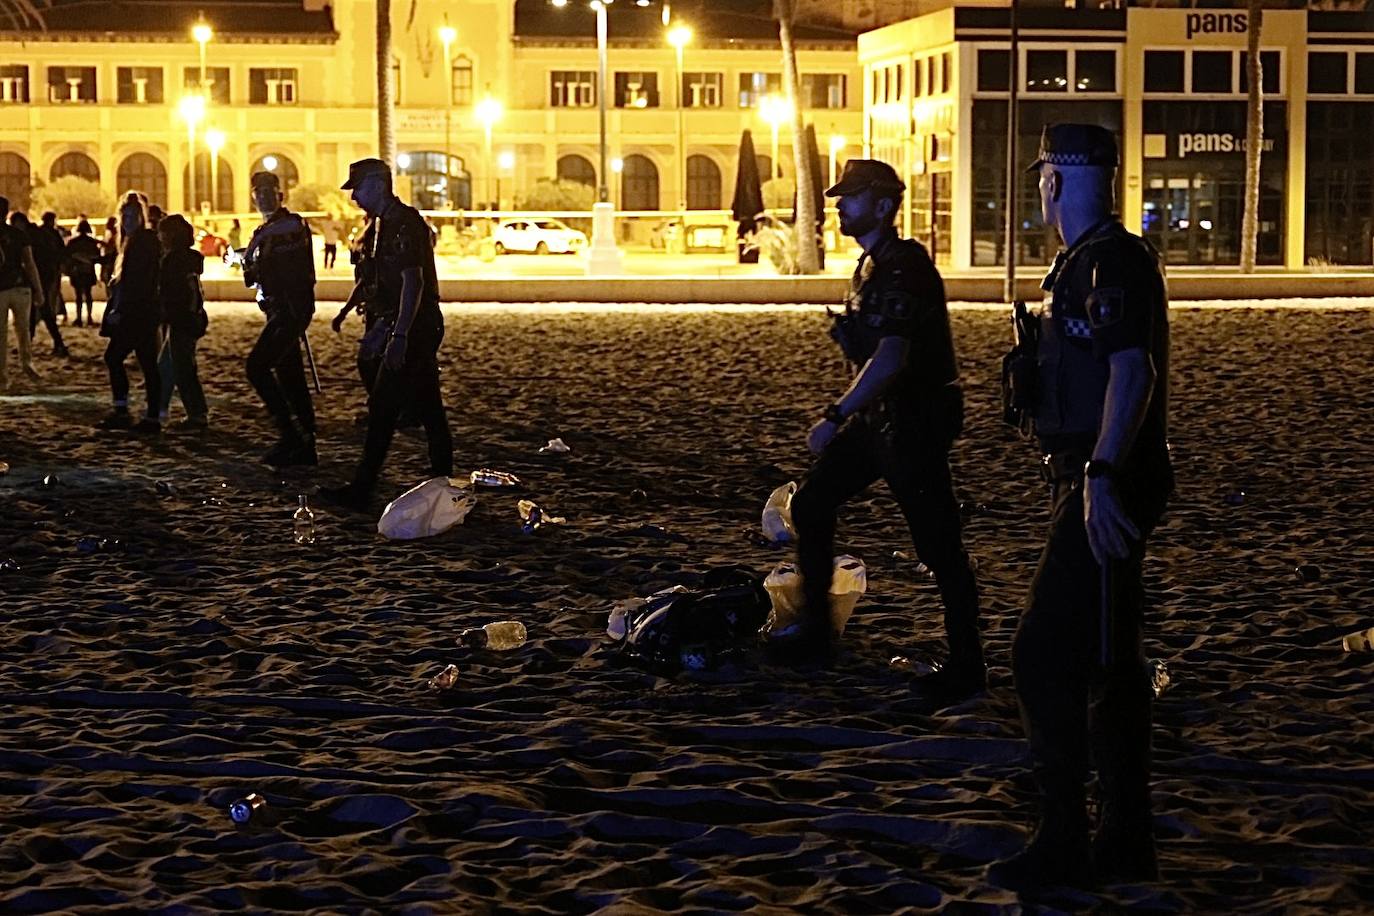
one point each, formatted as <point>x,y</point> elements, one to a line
<point>541,236</point>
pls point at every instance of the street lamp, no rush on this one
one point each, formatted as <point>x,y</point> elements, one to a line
<point>775,109</point>
<point>214,142</point>
<point>837,143</point>
<point>679,37</point>
<point>447,34</point>
<point>202,33</point>
<point>489,111</point>
<point>192,110</point>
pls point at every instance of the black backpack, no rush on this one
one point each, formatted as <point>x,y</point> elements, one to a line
<point>698,630</point>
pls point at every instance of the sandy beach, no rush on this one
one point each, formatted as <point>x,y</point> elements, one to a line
<point>165,648</point>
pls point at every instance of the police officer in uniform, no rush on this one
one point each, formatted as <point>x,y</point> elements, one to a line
<point>280,263</point>
<point>897,421</point>
<point>397,290</point>
<point>1100,414</point>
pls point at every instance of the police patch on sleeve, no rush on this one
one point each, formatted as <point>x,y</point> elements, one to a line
<point>896,303</point>
<point>1106,307</point>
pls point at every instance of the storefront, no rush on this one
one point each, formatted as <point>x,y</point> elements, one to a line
<point>1172,84</point>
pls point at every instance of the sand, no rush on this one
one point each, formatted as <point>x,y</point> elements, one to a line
<point>199,654</point>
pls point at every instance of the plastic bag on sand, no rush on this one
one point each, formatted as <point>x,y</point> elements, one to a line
<point>431,508</point>
<point>784,587</point>
<point>777,515</point>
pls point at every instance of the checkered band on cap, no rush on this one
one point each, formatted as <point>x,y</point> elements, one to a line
<point>1073,159</point>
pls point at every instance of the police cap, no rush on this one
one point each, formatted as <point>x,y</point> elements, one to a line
<point>365,168</point>
<point>265,180</point>
<point>1076,144</point>
<point>861,174</point>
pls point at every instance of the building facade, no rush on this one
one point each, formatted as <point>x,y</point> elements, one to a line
<point>291,87</point>
<point>1172,84</point>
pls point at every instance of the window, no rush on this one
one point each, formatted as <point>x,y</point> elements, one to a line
<point>395,79</point>
<point>15,180</point>
<point>1328,73</point>
<point>639,184</point>
<point>573,167</point>
<point>1163,71</point>
<point>703,184</point>
<point>703,90</point>
<point>1364,74</point>
<point>754,86</point>
<point>572,88</point>
<point>142,172</point>
<point>14,83</point>
<point>918,77</point>
<point>282,166</point>
<point>75,164</point>
<point>1269,60</point>
<point>636,90</point>
<point>461,87</point>
<point>823,90</point>
<point>1212,71</point>
<point>1094,71</point>
<point>139,85</point>
<point>71,84</point>
<point>272,86</point>
<point>1047,71</point>
<point>217,78</point>
<point>946,69</point>
<point>994,71</point>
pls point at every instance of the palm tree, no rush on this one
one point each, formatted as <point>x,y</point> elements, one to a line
<point>804,219</point>
<point>24,15</point>
<point>386,86</point>
<point>1254,138</point>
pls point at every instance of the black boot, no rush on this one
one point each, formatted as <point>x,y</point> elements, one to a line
<point>1059,854</point>
<point>289,443</point>
<point>956,680</point>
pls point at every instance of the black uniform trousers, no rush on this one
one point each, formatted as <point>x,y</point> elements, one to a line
<point>277,372</point>
<point>1071,708</point>
<point>414,388</point>
<point>917,472</point>
<point>143,343</point>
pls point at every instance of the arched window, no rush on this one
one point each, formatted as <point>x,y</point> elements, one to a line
<point>461,86</point>
<point>703,184</point>
<point>639,184</point>
<point>573,167</point>
<point>15,180</point>
<point>78,164</point>
<point>143,172</point>
<point>284,168</point>
<point>429,180</point>
<point>223,180</point>
<point>765,164</point>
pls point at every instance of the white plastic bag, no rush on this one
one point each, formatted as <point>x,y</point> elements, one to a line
<point>784,586</point>
<point>430,508</point>
<point>777,515</point>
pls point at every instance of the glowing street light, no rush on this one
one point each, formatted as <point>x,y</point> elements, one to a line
<point>192,111</point>
<point>201,32</point>
<point>489,110</point>
<point>447,35</point>
<point>775,109</point>
<point>837,143</point>
<point>214,141</point>
<point>679,36</point>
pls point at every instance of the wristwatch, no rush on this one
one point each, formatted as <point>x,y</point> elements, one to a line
<point>834,414</point>
<point>1098,468</point>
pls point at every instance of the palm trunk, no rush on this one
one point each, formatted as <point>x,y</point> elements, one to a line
<point>804,220</point>
<point>1254,140</point>
<point>386,88</point>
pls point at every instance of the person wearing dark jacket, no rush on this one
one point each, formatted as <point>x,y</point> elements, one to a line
<point>80,262</point>
<point>183,312</point>
<point>46,246</point>
<point>131,316</point>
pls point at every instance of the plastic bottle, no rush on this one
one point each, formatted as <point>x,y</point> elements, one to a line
<point>486,477</point>
<point>4,468</point>
<point>243,810</point>
<point>304,523</point>
<point>1159,675</point>
<point>531,516</point>
<point>499,636</point>
<point>444,679</point>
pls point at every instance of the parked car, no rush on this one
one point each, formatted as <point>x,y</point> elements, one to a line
<point>541,236</point>
<point>211,245</point>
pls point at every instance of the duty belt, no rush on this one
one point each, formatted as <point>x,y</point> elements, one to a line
<point>1060,466</point>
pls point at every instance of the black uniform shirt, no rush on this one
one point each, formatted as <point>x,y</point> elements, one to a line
<point>397,240</point>
<point>1107,294</point>
<point>282,265</point>
<point>896,291</point>
<point>13,241</point>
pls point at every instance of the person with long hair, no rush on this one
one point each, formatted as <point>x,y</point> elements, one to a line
<point>132,316</point>
<point>81,260</point>
<point>183,312</point>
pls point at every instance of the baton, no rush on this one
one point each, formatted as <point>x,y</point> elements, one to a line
<point>1105,623</point>
<point>310,357</point>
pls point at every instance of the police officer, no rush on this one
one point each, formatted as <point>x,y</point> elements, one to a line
<point>397,290</point>
<point>280,263</point>
<point>1100,415</point>
<point>897,421</point>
